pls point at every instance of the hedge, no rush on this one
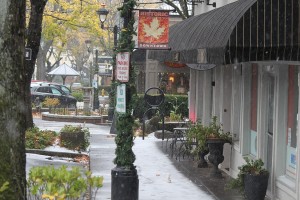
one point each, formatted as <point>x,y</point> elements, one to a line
<point>170,104</point>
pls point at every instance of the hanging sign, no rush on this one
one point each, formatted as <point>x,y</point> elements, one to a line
<point>121,99</point>
<point>153,29</point>
<point>123,61</point>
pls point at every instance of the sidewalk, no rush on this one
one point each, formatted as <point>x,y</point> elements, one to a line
<point>160,177</point>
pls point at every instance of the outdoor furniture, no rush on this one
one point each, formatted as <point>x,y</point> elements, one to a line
<point>170,125</point>
<point>179,136</point>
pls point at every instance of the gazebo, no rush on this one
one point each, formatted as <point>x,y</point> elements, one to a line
<point>64,70</point>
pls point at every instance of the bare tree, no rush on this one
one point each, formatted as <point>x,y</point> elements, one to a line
<point>181,7</point>
<point>13,104</point>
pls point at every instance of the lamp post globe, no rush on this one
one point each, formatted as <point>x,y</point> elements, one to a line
<point>102,12</point>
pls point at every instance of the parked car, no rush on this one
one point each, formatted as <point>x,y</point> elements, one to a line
<point>62,87</point>
<point>44,83</point>
<point>40,93</point>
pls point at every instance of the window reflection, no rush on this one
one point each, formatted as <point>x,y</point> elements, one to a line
<point>291,135</point>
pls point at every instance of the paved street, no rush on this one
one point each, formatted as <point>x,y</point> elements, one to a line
<point>158,177</point>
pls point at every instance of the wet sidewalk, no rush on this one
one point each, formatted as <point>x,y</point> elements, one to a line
<point>160,176</point>
<point>201,176</point>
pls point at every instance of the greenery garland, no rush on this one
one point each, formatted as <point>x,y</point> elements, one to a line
<point>124,123</point>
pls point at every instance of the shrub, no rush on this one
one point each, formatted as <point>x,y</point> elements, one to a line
<point>75,137</point>
<point>39,139</point>
<point>78,95</point>
<point>47,182</point>
<point>51,102</point>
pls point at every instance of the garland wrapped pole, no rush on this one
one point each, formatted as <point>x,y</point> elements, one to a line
<point>125,183</point>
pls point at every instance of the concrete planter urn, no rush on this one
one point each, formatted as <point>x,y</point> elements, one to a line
<point>216,157</point>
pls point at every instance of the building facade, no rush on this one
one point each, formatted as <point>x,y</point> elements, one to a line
<point>244,68</point>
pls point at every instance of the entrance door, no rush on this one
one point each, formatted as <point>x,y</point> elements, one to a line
<point>269,128</point>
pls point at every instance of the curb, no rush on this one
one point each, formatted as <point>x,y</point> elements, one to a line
<point>55,153</point>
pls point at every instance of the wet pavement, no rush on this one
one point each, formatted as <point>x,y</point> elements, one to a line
<point>160,176</point>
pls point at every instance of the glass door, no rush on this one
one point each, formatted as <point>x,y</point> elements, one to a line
<point>270,85</point>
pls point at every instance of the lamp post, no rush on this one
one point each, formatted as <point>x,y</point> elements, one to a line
<point>125,182</point>
<point>102,13</point>
<point>95,77</point>
<point>95,81</point>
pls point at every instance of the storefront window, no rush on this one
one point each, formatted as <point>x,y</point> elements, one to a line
<point>291,135</point>
<point>174,83</point>
<point>253,137</point>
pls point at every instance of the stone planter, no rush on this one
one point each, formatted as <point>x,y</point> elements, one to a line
<point>216,157</point>
<point>256,186</point>
<point>124,184</point>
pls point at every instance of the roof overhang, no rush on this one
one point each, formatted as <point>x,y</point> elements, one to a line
<point>246,30</point>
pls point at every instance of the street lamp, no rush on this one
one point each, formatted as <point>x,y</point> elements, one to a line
<point>102,12</point>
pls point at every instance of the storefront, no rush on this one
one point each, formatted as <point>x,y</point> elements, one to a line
<point>244,68</point>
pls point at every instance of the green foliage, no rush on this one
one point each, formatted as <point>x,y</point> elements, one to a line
<point>4,187</point>
<point>215,131</point>
<point>197,132</point>
<point>47,182</point>
<point>124,141</point>
<point>175,117</point>
<point>71,142</point>
<point>172,103</point>
<point>254,167</point>
<point>39,139</point>
<point>78,95</point>
<point>124,123</point>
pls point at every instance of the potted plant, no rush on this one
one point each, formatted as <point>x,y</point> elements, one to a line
<point>252,180</point>
<point>216,138</point>
<point>197,135</point>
